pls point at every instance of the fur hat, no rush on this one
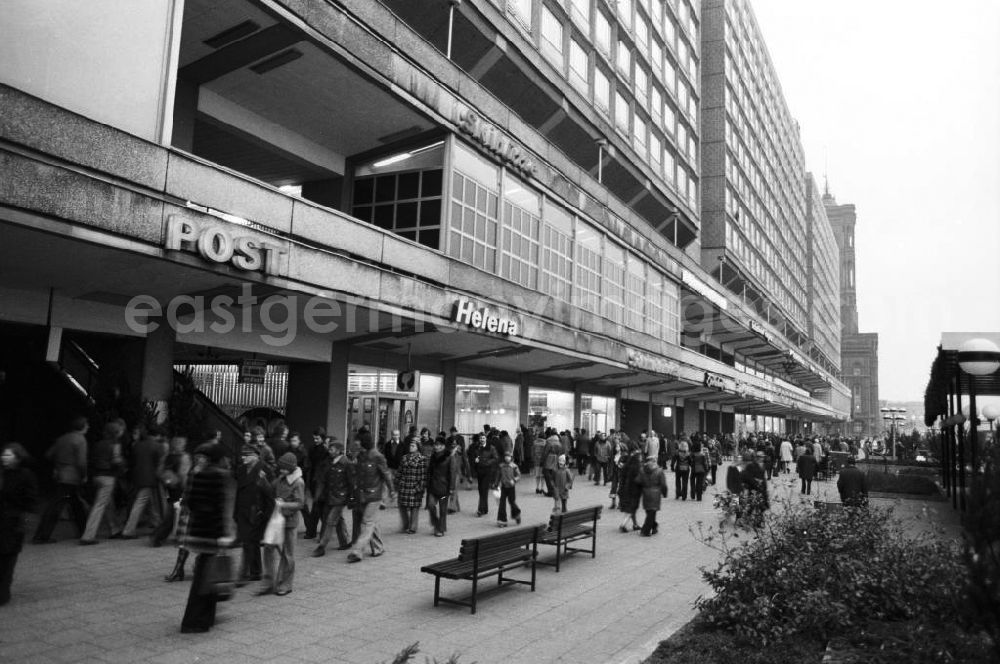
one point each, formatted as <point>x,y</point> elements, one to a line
<point>287,462</point>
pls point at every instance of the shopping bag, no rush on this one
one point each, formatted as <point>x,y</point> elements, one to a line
<point>274,531</point>
<point>219,578</point>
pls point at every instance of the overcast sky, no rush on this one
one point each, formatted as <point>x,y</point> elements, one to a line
<point>899,105</point>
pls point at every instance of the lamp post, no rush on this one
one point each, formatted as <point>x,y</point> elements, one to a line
<point>893,415</point>
<point>977,357</point>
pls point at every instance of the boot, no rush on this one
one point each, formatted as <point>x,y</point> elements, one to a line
<point>178,573</point>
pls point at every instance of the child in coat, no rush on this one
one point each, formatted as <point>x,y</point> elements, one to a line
<point>509,474</point>
<point>563,482</point>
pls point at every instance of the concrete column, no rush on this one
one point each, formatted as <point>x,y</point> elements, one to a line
<point>448,388</point>
<point>692,416</point>
<point>317,394</point>
<point>54,344</point>
<point>577,406</point>
<point>158,368</point>
<point>523,407</point>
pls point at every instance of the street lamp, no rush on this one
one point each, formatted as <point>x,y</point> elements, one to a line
<point>893,415</point>
<point>977,357</point>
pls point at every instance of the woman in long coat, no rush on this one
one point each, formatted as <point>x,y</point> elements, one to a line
<point>411,480</point>
<point>18,494</point>
<point>653,483</point>
<point>206,536</point>
<point>629,491</point>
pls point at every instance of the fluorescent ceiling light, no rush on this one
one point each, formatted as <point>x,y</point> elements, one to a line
<point>396,158</point>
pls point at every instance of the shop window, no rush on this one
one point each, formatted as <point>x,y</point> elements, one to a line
<point>588,269</point>
<point>550,408</point>
<point>482,402</point>
<point>519,235</point>
<point>557,252</point>
<point>474,209</point>
<point>613,282</point>
<point>402,193</point>
<point>598,413</point>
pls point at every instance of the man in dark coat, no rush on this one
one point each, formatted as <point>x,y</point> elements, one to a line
<point>68,455</point>
<point>339,492</point>
<point>373,478</point>
<point>251,510</point>
<point>440,485</point>
<point>806,467</point>
<point>755,480</point>
<point>853,485</point>
<point>147,455</point>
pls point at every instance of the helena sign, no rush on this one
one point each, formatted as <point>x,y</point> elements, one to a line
<point>496,142</point>
<point>480,318</point>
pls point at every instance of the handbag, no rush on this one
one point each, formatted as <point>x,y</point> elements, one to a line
<point>219,579</point>
<point>274,531</point>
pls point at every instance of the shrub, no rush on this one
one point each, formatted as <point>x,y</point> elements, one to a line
<point>823,573</point>
<point>981,554</point>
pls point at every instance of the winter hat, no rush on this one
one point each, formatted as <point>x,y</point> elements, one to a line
<point>287,462</point>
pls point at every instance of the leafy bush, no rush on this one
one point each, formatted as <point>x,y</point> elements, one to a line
<point>808,572</point>
<point>981,554</point>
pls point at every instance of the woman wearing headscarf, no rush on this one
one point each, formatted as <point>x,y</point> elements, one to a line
<point>207,534</point>
<point>629,491</point>
<point>18,494</point>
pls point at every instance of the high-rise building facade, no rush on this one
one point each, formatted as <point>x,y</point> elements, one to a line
<point>859,350</point>
<point>763,237</point>
<point>824,283</point>
<point>492,205</point>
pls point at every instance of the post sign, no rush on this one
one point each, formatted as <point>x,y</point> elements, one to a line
<point>252,371</point>
<point>224,243</point>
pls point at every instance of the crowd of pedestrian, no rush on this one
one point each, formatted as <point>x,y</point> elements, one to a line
<point>257,494</point>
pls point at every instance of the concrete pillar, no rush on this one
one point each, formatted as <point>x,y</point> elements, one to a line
<point>692,416</point>
<point>317,394</point>
<point>158,369</point>
<point>53,346</point>
<point>448,392</point>
<point>577,406</point>
<point>523,403</point>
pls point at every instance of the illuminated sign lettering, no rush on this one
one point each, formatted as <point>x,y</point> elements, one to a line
<point>466,313</point>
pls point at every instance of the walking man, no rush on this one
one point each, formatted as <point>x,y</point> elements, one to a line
<point>373,477</point>
<point>69,456</point>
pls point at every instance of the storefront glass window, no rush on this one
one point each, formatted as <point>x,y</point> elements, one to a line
<point>474,207</point>
<point>550,408</point>
<point>598,413</point>
<point>375,399</point>
<point>481,402</point>
<point>430,402</point>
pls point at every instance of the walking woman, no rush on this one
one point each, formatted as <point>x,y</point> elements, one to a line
<point>206,535</point>
<point>177,574</point>
<point>629,490</point>
<point>653,483</point>
<point>18,493</point>
<point>411,480</point>
<point>173,478</point>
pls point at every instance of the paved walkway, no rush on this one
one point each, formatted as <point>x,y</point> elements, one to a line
<point>108,603</point>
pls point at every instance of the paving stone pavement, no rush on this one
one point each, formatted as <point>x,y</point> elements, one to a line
<point>109,603</point>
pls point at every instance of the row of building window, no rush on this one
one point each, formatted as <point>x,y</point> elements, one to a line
<point>529,239</point>
<point>640,103</point>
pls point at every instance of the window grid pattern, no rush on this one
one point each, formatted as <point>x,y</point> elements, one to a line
<point>473,223</point>
<point>519,248</point>
<point>635,295</point>
<point>612,290</point>
<point>588,279</point>
<point>557,263</point>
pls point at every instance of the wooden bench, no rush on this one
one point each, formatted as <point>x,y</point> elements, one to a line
<point>482,557</point>
<point>570,527</point>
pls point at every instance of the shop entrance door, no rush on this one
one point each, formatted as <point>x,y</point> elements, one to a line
<point>394,412</point>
